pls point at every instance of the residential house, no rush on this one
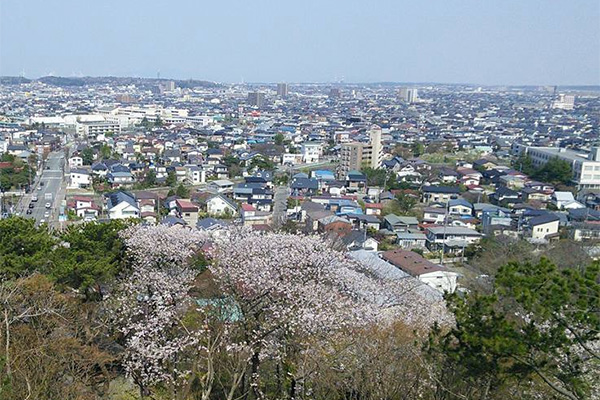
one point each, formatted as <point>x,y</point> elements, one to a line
<point>436,276</point>
<point>565,201</point>
<point>334,225</point>
<point>79,178</point>
<point>434,215</point>
<point>543,227</point>
<point>460,207</point>
<point>122,205</point>
<point>451,238</point>
<point>439,193</point>
<point>195,175</point>
<point>187,211</point>
<point>396,223</point>
<point>75,161</point>
<point>411,240</point>
<point>251,216</point>
<point>356,181</point>
<point>221,185</point>
<point>221,205</point>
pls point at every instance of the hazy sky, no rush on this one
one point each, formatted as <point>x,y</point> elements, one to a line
<point>453,41</point>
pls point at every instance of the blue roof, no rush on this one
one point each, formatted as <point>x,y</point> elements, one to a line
<point>119,197</point>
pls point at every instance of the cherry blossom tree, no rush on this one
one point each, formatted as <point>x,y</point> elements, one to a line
<point>278,293</point>
<point>289,287</point>
<point>148,303</point>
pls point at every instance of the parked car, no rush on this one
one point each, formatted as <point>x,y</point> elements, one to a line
<point>31,205</point>
<point>34,198</point>
<point>29,211</point>
<point>48,205</point>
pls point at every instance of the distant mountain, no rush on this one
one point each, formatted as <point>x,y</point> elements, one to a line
<point>61,81</point>
<point>13,80</point>
<point>145,83</point>
<point>119,81</point>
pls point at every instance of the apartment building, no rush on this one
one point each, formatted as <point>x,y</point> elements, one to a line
<point>356,154</point>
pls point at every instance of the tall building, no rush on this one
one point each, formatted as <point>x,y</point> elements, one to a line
<point>355,155</point>
<point>282,90</point>
<point>256,99</point>
<point>408,95</point>
<point>335,93</point>
<point>170,86</point>
<point>564,102</point>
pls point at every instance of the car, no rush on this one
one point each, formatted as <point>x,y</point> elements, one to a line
<point>34,198</point>
<point>39,188</point>
<point>31,205</point>
<point>42,221</point>
<point>48,205</point>
<point>47,214</point>
<point>29,211</point>
<point>47,167</point>
<point>41,183</point>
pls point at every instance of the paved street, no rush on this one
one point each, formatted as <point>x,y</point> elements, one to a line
<point>280,205</point>
<point>49,183</point>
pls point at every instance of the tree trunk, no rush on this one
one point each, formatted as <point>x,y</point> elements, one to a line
<point>254,378</point>
<point>7,344</point>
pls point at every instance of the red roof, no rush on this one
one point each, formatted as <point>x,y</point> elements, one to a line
<point>248,207</point>
<point>374,205</point>
<point>186,205</point>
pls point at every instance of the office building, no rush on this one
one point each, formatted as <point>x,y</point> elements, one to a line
<point>408,95</point>
<point>355,155</point>
<point>256,99</point>
<point>585,166</point>
<point>91,129</point>
<point>564,102</point>
<point>282,90</point>
<point>335,93</point>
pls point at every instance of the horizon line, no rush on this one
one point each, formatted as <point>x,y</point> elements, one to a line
<point>387,82</point>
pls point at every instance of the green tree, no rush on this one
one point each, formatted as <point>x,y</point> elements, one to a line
<point>278,138</point>
<point>375,176</point>
<point>92,255</point>
<point>417,149</point>
<point>524,163</point>
<point>182,191</point>
<point>262,162</point>
<point>555,171</point>
<point>150,179</point>
<point>405,202</point>
<point>540,324</point>
<point>146,123</point>
<point>24,247</point>
<point>88,156</point>
<point>171,179</point>
<point>158,122</point>
<point>105,151</point>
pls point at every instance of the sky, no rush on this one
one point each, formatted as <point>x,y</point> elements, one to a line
<point>487,42</point>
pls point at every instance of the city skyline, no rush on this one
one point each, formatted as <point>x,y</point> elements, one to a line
<point>509,43</point>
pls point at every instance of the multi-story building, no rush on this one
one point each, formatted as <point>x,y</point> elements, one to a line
<point>408,95</point>
<point>256,99</point>
<point>353,156</point>
<point>564,102</point>
<point>282,90</point>
<point>95,128</point>
<point>311,152</point>
<point>586,167</point>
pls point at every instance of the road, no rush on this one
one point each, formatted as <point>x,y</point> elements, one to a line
<point>50,182</point>
<point>280,205</point>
